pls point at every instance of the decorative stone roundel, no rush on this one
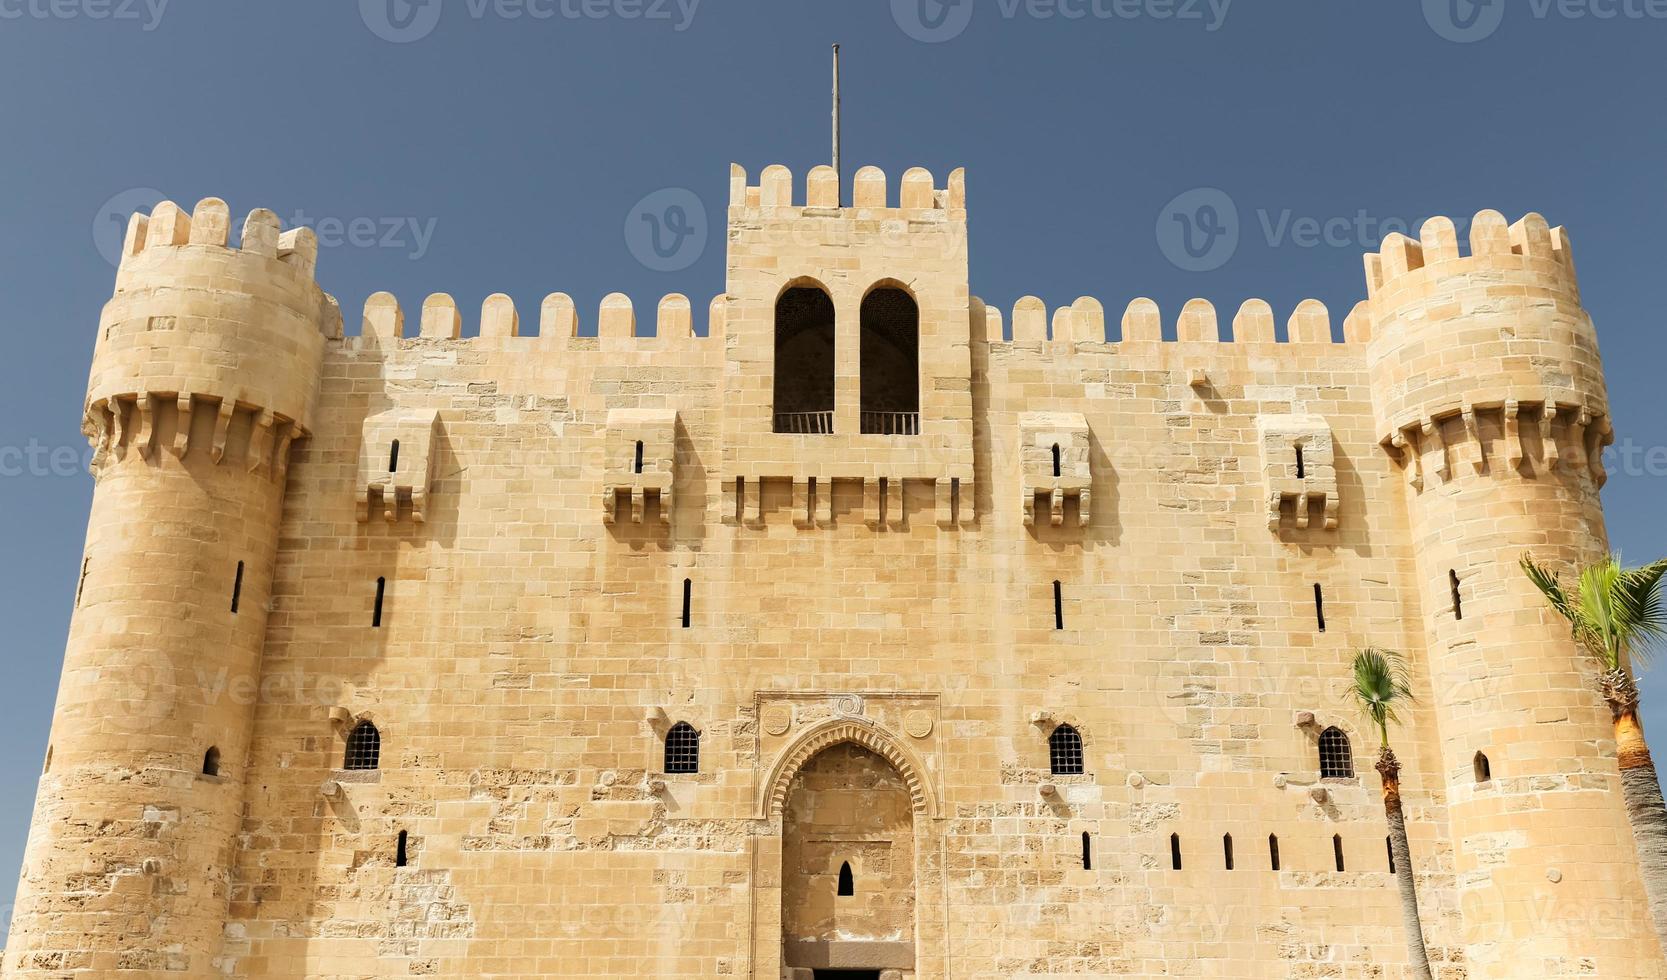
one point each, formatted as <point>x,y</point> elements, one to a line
<point>918,724</point>
<point>848,705</point>
<point>778,718</point>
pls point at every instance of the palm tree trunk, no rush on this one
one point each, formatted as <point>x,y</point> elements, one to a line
<point>1641,790</point>
<point>1390,769</point>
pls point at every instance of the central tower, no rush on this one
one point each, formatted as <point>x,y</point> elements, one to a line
<point>847,355</point>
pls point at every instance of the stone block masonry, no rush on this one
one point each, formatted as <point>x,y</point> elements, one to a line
<point>845,624</point>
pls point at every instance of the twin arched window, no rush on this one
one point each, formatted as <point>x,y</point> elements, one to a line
<point>1336,755</point>
<point>1065,751</point>
<point>805,364</point>
<point>364,748</point>
<point>682,749</point>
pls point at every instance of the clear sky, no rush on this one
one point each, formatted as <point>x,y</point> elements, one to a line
<point>477,146</point>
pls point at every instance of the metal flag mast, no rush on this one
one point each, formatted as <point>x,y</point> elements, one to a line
<point>839,175</point>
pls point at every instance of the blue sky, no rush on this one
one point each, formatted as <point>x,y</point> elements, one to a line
<point>478,146</point>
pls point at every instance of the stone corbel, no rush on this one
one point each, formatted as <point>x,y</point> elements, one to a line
<point>147,430</point>
<point>1513,434</point>
<point>182,432</point>
<point>222,426</point>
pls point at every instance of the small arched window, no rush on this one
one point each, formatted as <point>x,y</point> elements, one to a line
<point>1337,849</point>
<point>1336,756</point>
<point>1065,751</point>
<point>211,762</point>
<point>637,466</point>
<point>847,881</point>
<point>1273,851</point>
<point>1227,851</point>
<point>1175,851</point>
<point>682,749</point>
<point>1058,460</point>
<point>364,748</point>
<point>393,457</point>
<point>1484,769</point>
<point>1087,852</point>
<point>402,856</point>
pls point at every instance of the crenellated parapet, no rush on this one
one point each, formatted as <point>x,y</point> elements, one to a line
<point>200,329</point>
<point>616,324</point>
<point>917,196</point>
<point>1081,326</point>
<point>1485,359</point>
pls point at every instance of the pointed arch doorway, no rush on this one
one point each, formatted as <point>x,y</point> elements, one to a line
<point>857,821</point>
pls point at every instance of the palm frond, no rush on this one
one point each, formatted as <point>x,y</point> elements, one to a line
<point>1381,685</point>
<point>1639,609</point>
<point>1614,612</point>
<point>1551,586</point>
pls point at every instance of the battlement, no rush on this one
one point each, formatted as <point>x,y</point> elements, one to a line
<point>1530,244</point>
<point>616,319</point>
<point>869,191</point>
<point>167,226</point>
<point>1082,324</point>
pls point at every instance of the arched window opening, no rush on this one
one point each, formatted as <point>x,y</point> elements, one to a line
<point>1273,851</point>
<point>393,457</point>
<point>1484,769</point>
<point>1175,851</point>
<point>682,749</point>
<point>401,857</point>
<point>1389,844</point>
<point>637,466</point>
<point>1058,605</point>
<point>1302,465</point>
<point>1087,852</point>
<point>804,381</point>
<point>1319,606</point>
<point>364,748</point>
<point>1336,755</point>
<point>1458,599</point>
<point>1227,851</point>
<point>1337,849</point>
<point>237,588</point>
<point>890,363</point>
<point>376,611</point>
<point>211,762</point>
<point>847,882</point>
<point>1058,460</point>
<point>1065,751</point>
<point>688,601</point>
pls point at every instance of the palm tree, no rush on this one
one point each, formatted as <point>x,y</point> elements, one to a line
<point>1616,615</point>
<point>1380,687</point>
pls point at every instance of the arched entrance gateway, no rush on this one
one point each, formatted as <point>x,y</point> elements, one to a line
<point>853,817</point>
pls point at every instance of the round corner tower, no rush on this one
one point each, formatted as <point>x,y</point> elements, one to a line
<point>1489,392</point>
<point>206,369</point>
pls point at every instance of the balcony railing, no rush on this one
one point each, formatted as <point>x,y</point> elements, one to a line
<point>891,423</point>
<point>805,423</point>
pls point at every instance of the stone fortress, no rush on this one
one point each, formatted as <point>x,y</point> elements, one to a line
<point>857,635</point>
